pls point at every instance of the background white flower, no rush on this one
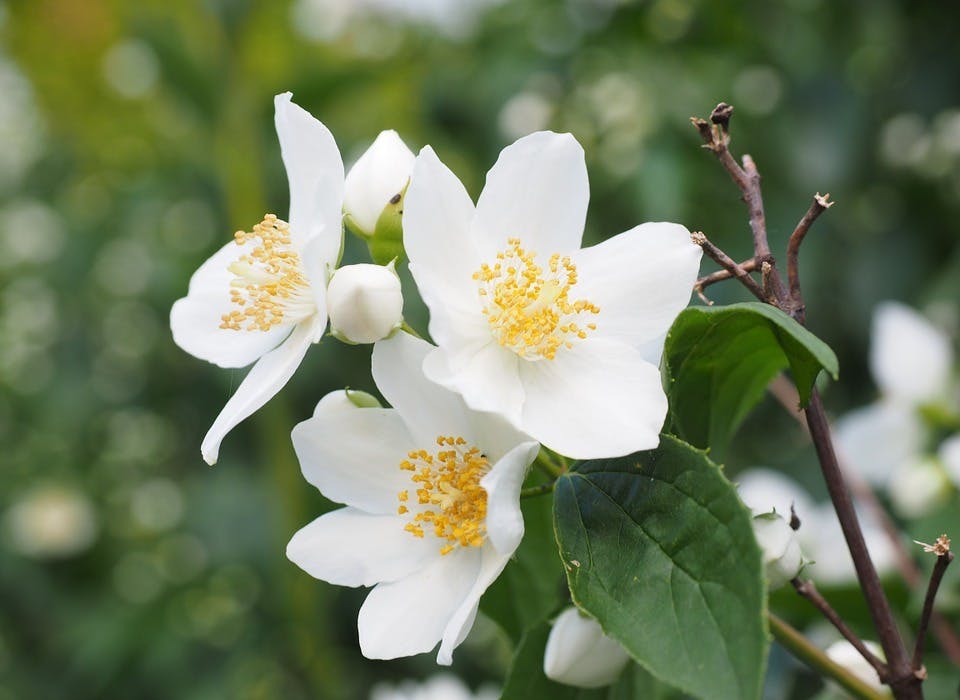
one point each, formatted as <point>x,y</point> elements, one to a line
<point>563,342</point>
<point>443,686</point>
<point>432,494</point>
<point>262,297</point>
<point>578,653</point>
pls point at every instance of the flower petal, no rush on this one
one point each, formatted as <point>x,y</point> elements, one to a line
<point>766,490</point>
<point>578,653</point>
<point>536,191</point>
<point>409,616</point>
<point>315,172</point>
<point>492,564</point>
<point>318,267</point>
<point>640,279</point>
<point>486,375</point>
<point>378,175</point>
<point>426,408</point>
<point>437,212</point>
<point>352,455</point>
<point>195,319</point>
<point>267,377</point>
<point>597,399</point>
<point>910,358</point>
<point>348,547</point>
<point>502,484</point>
<point>877,439</point>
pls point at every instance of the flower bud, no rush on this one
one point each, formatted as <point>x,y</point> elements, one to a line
<point>578,653</point>
<point>379,176</point>
<point>843,653</point>
<point>782,559</point>
<point>364,302</point>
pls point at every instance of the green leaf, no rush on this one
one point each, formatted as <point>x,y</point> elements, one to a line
<point>660,550</point>
<point>719,360</point>
<point>531,586</point>
<point>526,681</point>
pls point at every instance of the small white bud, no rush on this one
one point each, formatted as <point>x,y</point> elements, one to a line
<point>578,653</point>
<point>843,653</point>
<point>379,175</point>
<point>365,302</point>
<point>782,558</point>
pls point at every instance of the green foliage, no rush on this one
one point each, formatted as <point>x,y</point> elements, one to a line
<point>659,549</point>
<point>526,681</point>
<point>720,359</point>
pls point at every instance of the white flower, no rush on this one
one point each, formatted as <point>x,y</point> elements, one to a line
<point>782,559</point>
<point>443,686</point>
<point>877,439</point>
<point>432,495</point>
<point>830,562</point>
<point>378,176</point>
<point>50,523</point>
<point>262,297</point>
<point>910,358</point>
<point>561,341</point>
<point>763,490</point>
<point>365,302</point>
<point>949,455</point>
<point>918,487</point>
<point>578,653</point>
<point>843,653</point>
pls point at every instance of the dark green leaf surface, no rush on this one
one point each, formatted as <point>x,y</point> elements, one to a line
<point>659,549</point>
<point>720,359</point>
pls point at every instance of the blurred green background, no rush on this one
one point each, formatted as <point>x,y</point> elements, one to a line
<point>135,137</point>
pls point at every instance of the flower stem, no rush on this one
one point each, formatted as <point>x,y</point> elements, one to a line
<point>803,649</point>
<point>407,328</point>
<point>548,466</point>
<point>539,490</point>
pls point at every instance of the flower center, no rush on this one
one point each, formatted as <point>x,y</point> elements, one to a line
<point>269,285</point>
<point>449,498</point>
<point>529,308</point>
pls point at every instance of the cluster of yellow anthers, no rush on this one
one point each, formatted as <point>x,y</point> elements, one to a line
<point>529,312</point>
<point>267,278</point>
<point>448,483</point>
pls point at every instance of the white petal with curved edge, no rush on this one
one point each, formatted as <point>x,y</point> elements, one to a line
<point>426,408</point>
<point>877,439</point>
<point>910,358</point>
<point>640,279</point>
<point>502,484</point>
<point>378,175</point>
<point>437,214</point>
<point>317,266</point>
<point>538,192</point>
<point>315,171</point>
<point>597,399</point>
<point>195,319</point>
<point>267,377</point>
<point>353,455</point>
<point>487,376</point>
<point>409,616</point>
<point>348,547</point>
<point>578,653</point>
<point>492,563</point>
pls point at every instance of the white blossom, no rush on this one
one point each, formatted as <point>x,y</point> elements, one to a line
<point>562,341</point>
<point>365,302</point>
<point>378,176</point>
<point>432,512</point>
<point>845,654</point>
<point>578,653</point>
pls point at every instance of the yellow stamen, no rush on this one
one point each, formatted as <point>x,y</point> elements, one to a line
<point>270,286</point>
<point>452,503</point>
<point>528,308</point>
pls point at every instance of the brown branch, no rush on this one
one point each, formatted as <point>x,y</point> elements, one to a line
<point>786,394</point>
<point>944,556</point>
<point>820,204</point>
<point>808,590</point>
<point>728,264</point>
<point>719,276</point>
